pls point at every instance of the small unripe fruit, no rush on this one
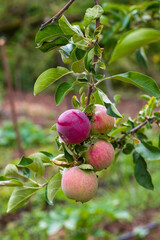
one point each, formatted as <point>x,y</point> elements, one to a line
<point>73,126</point>
<point>101,122</point>
<point>80,185</point>
<point>100,155</point>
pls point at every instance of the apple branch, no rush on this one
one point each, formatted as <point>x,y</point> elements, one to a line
<point>58,14</point>
<point>90,89</point>
<point>151,119</point>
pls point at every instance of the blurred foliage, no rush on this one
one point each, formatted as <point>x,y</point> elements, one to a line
<point>25,18</point>
<point>32,135</point>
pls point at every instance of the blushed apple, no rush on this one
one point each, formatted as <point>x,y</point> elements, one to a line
<point>73,126</point>
<point>80,185</point>
<point>100,155</point>
<point>101,122</point>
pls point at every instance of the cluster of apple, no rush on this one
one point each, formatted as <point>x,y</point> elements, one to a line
<point>74,127</point>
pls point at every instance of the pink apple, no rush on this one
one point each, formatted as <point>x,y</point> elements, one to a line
<point>73,126</point>
<point>100,155</point>
<point>80,185</point>
<point>101,122</point>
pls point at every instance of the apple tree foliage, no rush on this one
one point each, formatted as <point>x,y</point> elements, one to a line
<point>80,47</point>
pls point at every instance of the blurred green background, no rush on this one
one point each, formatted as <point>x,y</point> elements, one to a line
<point>121,204</point>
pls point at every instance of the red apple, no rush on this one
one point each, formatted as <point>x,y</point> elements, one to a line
<point>100,155</point>
<point>101,122</point>
<point>73,126</point>
<point>80,185</point>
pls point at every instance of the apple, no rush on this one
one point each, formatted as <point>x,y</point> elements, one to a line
<point>100,155</point>
<point>101,122</point>
<point>80,185</point>
<point>73,126</point>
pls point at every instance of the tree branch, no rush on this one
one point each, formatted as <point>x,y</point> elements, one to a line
<point>90,89</point>
<point>58,14</point>
<point>136,128</point>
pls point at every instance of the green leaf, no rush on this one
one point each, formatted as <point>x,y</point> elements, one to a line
<point>92,14</point>
<point>66,27</point>
<point>62,90</point>
<point>116,131</point>
<point>128,148</point>
<point>133,40</point>
<point>37,165</point>
<point>97,50</point>
<point>78,66</point>
<point>53,186</point>
<point>43,156</point>
<point>11,171</point>
<point>111,109</point>
<point>98,31</point>
<point>141,58</point>
<point>80,53</point>
<point>49,155</point>
<point>48,77</point>
<point>9,182</point>
<point>97,98</point>
<point>86,167</point>
<point>54,127</point>
<point>89,108</point>
<point>75,102</point>
<point>56,43</point>
<point>48,33</point>
<point>147,151</point>
<point>25,162</point>
<point>20,196</point>
<point>139,80</point>
<point>141,173</point>
<point>117,98</point>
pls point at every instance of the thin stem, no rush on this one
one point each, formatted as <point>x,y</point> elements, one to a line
<point>136,128</point>
<point>101,80</point>
<point>58,14</point>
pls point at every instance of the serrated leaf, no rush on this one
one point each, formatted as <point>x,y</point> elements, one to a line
<point>11,171</point>
<point>141,173</point>
<point>139,80</point>
<point>47,33</point>
<point>53,186</point>
<point>56,43</point>
<point>48,77</point>
<point>116,131</point>
<point>20,196</point>
<point>133,40</point>
<point>9,182</point>
<point>92,14</point>
<point>147,151</point>
<point>62,90</point>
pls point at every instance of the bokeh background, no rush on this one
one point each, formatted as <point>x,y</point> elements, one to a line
<point>121,205</point>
